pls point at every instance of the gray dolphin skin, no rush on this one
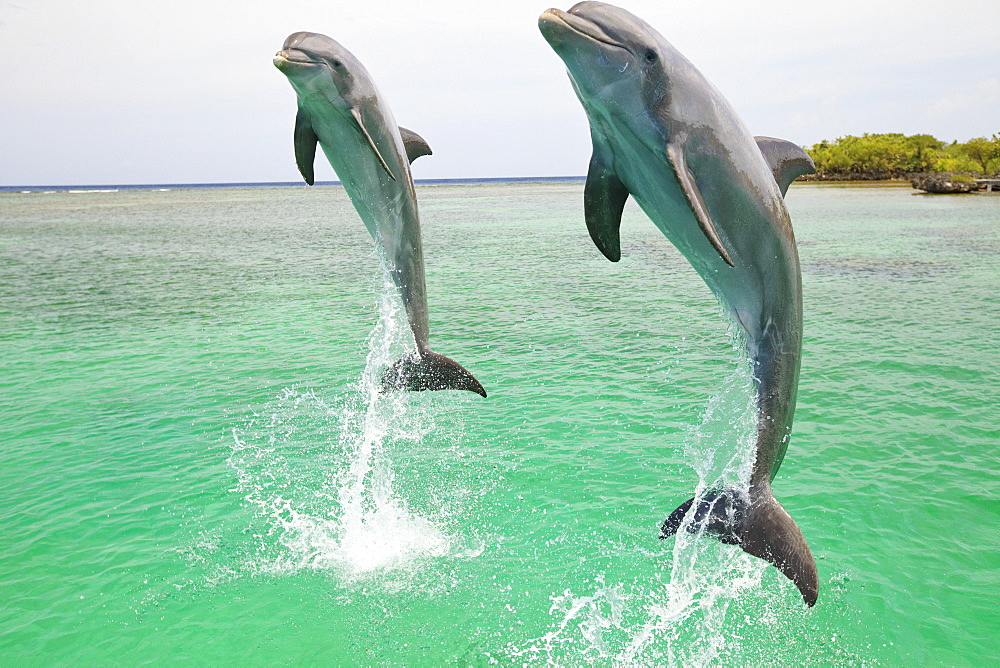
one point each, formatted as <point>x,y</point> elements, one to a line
<point>340,108</point>
<point>664,135</point>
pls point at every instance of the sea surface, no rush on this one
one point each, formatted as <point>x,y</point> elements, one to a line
<point>196,466</point>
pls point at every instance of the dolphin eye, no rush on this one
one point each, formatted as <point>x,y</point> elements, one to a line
<point>650,56</point>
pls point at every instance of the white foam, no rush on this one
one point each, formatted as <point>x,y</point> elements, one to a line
<point>585,622</point>
<point>682,622</point>
<point>354,523</point>
<point>389,538</point>
<point>705,575</point>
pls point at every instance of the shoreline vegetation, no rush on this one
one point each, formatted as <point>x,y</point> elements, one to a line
<point>928,163</point>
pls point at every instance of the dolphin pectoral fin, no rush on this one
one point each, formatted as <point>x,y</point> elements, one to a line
<point>676,156</point>
<point>604,199</point>
<point>414,144</point>
<point>305,146</point>
<point>371,142</point>
<point>429,370</point>
<point>786,160</point>
<point>761,528</point>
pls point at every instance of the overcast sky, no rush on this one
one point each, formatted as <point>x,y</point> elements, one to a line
<point>184,91</point>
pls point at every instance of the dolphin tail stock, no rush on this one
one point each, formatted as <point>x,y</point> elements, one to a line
<point>759,525</point>
<point>428,370</point>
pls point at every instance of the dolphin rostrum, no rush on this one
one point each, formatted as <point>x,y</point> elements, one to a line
<point>340,108</point>
<point>664,135</point>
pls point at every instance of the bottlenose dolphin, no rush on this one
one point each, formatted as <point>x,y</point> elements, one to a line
<point>340,108</point>
<point>664,135</point>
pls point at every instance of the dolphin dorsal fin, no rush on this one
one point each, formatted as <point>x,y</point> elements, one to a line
<point>414,144</point>
<point>371,142</point>
<point>604,199</point>
<point>676,155</point>
<point>305,146</point>
<point>786,160</point>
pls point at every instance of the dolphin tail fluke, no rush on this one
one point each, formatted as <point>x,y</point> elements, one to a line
<point>429,370</point>
<point>760,527</point>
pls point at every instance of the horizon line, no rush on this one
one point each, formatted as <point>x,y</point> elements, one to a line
<point>109,187</point>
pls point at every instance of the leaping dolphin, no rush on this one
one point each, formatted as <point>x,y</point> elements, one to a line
<point>340,108</point>
<point>664,135</point>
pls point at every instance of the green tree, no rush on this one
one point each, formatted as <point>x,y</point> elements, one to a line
<point>925,151</point>
<point>894,155</point>
<point>889,154</point>
<point>984,152</point>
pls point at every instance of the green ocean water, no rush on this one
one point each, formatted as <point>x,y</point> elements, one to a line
<point>195,467</point>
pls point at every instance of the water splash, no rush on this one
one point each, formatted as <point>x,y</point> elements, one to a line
<point>688,624</point>
<point>352,522</point>
<point>584,628</point>
<point>691,615</point>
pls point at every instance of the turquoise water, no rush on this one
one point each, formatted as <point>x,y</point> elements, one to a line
<point>196,468</point>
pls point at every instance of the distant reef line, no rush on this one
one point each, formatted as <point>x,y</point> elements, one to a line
<point>111,187</point>
<point>921,159</point>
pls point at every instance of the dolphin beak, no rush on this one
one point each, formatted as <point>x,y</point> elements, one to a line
<point>551,18</point>
<point>550,14</point>
<point>556,24</point>
<point>289,58</point>
<point>553,26</point>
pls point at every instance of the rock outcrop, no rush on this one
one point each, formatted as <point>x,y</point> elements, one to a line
<point>943,183</point>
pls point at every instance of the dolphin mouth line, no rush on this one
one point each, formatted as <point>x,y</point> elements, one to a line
<point>579,25</point>
<point>299,57</point>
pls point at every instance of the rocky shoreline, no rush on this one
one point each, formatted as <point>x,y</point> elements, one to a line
<point>930,182</point>
<point>866,176</point>
<point>944,183</point>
